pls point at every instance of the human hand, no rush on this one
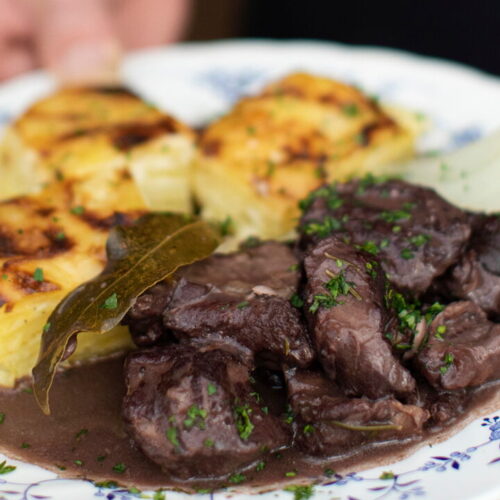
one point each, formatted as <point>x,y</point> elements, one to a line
<point>81,40</point>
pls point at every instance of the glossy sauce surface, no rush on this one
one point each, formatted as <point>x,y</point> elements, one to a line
<point>85,436</point>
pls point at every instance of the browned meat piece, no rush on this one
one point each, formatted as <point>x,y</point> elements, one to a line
<point>344,297</point>
<point>194,413</point>
<point>242,299</point>
<point>463,349</point>
<point>327,422</point>
<point>416,234</point>
<point>476,276</point>
<point>145,319</point>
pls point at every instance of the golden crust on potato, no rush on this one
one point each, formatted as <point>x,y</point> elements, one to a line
<point>256,162</point>
<point>91,159</point>
<point>47,250</point>
<point>92,137</point>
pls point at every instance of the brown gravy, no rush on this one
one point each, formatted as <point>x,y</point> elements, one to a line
<point>85,437</point>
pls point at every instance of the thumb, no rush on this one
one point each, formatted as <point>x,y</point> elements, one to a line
<point>75,40</point>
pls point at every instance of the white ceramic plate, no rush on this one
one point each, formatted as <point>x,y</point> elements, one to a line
<point>197,82</point>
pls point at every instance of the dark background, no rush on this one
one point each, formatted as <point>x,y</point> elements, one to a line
<point>465,31</point>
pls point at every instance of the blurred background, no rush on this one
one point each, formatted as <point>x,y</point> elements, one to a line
<point>85,39</point>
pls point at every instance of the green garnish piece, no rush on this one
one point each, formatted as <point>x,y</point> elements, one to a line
<point>111,302</point>
<point>323,228</point>
<point>419,239</point>
<point>226,226</point>
<point>448,360</point>
<point>392,216</point>
<point>171,434</point>
<point>260,466</point>
<point>329,472</point>
<point>78,462</point>
<point>370,247</point>
<point>195,416</point>
<point>237,478</point>
<point>2,418</point>
<point>387,475</point>
<point>211,389</point>
<point>296,301</point>
<point>290,474</point>
<point>81,433</point>
<point>336,287</point>
<point>350,109</point>
<point>242,305</point>
<point>78,210</point>
<point>120,468</point>
<point>138,257</point>
<point>309,429</point>
<point>243,423</point>
<point>5,469</point>
<point>407,254</point>
<point>208,443</point>
<point>38,274</point>
<point>301,492</point>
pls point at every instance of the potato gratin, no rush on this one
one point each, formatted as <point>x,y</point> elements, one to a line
<point>82,160</point>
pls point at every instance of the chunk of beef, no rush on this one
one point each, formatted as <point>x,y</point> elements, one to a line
<point>476,276</point>
<point>416,234</point>
<point>344,297</point>
<point>328,422</point>
<point>241,298</point>
<point>463,349</point>
<point>145,319</point>
<point>193,411</point>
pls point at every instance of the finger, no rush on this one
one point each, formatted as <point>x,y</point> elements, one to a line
<point>14,21</point>
<point>143,23</point>
<point>14,61</point>
<point>77,41</point>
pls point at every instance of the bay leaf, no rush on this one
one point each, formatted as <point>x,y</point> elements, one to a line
<point>139,256</point>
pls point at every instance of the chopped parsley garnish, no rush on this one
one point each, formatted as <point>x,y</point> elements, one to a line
<point>419,239</point>
<point>301,492</point>
<point>211,389</point>
<point>296,301</point>
<point>195,416</point>
<point>369,180</point>
<point>336,287</point>
<point>5,469</point>
<point>208,443</point>
<point>111,302</point>
<point>251,130</point>
<point>387,475</point>
<point>260,466</point>
<point>101,458</point>
<point>60,236</point>
<point>332,198</point>
<point>5,276</point>
<point>448,360</point>
<point>46,327</point>
<point>396,229</point>
<point>243,304</point>
<point>171,434</point>
<point>120,468</point>
<point>309,429</point>
<point>293,267</point>
<point>257,396</point>
<point>394,215</point>
<point>370,247</point>
<point>350,109</point>
<point>25,446</point>
<point>407,254</point>
<point>81,433</point>
<point>329,472</point>
<point>384,243</point>
<point>226,226</point>
<point>290,474</point>
<point>78,210</point>
<point>38,274</point>
<point>289,416</point>
<point>107,484</point>
<point>236,478</point>
<point>324,228</point>
<point>440,330</point>
<point>370,269</point>
<point>243,423</point>
<point>2,418</point>
<point>159,495</point>
<point>78,462</point>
